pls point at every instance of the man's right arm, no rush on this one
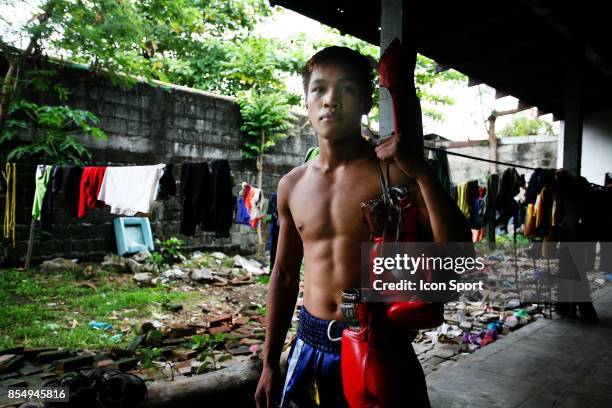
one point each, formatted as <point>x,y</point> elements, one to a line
<point>282,295</point>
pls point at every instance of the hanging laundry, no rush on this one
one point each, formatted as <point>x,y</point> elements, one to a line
<point>130,190</point>
<point>41,181</point>
<point>91,180</point>
<point>274,228</point>
<point>242,213</point>
<point>46,211</point>
<point>530,220</point>
<point>539,178</point>
<point>509,186</point>
<point>10,201</point>
<point>195,197</point>
<point>56,178</point>
<point>475,197</point>
<point>222,199</point>
<point>543,212</point>
<point>253,199</point>
<point>439,162</point>
<point>166,186</point>
<point>467,194</point>
<point>462,198</point>
<point>477,211</point>
<point>71,188</point>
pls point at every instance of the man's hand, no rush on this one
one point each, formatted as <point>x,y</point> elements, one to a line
<point>268,388</point>
<point>392,149</point>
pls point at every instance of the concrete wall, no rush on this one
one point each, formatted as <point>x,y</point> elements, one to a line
<point>531,151</point>
<point>597,146</point>
<point>146,125</point>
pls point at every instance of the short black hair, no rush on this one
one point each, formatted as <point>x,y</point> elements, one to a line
<point>345,56</point>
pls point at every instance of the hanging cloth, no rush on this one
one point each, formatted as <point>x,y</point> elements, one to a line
<point>131,189</point>
<point>46,210</point>
<point>10,202</point>
<point>91,181</point>
<point>166,186</point>
<point>242,213</point>
<point>274,228</point>
<point>462,198</point>
<point>41,181</point>
<point>194,196</point>
<point>221,199</point>
<point>439,163</point>
<point>71,187</point>
<point>254,200</point>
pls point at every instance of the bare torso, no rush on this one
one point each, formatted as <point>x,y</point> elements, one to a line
<point>325,206</point>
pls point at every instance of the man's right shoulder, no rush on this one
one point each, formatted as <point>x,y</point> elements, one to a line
<point>289,180</point>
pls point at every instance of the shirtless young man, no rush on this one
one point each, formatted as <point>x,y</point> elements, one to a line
<point>321,222</point>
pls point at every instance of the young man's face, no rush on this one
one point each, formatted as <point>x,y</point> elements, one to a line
<point>335,101</point>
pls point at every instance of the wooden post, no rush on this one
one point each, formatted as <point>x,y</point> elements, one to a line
<point>28,260</point>
<point>492,143</point>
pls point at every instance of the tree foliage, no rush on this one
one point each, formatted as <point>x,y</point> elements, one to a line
<point>54,133</point>
<point>152,39</point>
<point>205,44</point>
<point>266,118</point>
<point>524,126</point>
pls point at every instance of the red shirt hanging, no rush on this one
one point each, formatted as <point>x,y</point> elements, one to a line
<point>91,180</point>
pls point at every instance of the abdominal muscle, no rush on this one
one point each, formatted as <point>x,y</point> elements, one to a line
<point>330,266</point>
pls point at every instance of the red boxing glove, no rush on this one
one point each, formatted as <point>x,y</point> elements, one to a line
<point>412,316</point>
<point>371,376</point>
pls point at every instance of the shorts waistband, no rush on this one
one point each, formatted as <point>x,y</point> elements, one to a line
<point>313,331</point>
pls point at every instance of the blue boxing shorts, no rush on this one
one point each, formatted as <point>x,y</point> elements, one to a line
<point>313,368</point>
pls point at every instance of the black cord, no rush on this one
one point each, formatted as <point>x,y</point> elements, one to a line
<point>437,149</point>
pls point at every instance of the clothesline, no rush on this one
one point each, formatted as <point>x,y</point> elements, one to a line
<point>94,164</point>
<point>437,149</point>
<point>426,147</point>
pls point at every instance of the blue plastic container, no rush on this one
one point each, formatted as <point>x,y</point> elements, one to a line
<point>133,235</point>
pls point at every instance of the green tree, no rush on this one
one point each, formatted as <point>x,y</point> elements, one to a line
<point>266,117</point>
<point>523,126</point>
<point>262,65</point>
<point>153,39</point>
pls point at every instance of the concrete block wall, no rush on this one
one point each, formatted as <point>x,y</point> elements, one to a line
<point>531,151</point>
<point>149,124</point>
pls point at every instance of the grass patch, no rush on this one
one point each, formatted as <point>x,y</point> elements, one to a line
<point>40,310</point>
